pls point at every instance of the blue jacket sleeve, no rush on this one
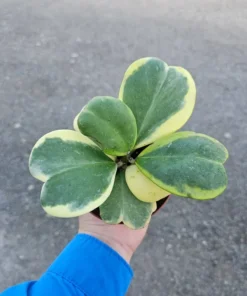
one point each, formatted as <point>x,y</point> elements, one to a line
<point>86,267</point>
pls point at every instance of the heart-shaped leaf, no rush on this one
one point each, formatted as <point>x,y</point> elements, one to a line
<point>186,164</point>
<point>142,187</point>
<point>79,176</point>
<point>161,98</point>
<point>78,191</point>
<point>110,124</point>
<point>76,128</point>
<point>123,206</point>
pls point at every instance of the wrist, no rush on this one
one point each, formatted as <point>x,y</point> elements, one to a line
<point>123,250</point>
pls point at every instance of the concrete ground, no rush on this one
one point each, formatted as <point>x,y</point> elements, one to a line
<point>56,55</point>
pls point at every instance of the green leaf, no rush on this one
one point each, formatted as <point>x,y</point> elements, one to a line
<point>142,187</point>
<point>78,191</point>
<point>110,124</point>
<point>76,128</point>
<point>186,164</point>
<point>62,150</point>
<point>123,206</point>
<point>161,98</point>
<point>79,176</point>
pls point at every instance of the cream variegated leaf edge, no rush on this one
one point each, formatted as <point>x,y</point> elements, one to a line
<point>162,98</point>
<point>78,176</point>
<point>186,164</point>
<point>142,187</point>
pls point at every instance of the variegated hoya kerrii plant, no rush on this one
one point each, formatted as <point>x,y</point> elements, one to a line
<point>125,153</point>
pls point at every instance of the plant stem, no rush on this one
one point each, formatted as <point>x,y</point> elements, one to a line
<point>130,159</point>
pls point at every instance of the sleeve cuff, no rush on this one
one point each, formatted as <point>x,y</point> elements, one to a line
<point>93,267</point>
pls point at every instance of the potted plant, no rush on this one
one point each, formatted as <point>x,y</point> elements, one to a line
<point>125,154</point>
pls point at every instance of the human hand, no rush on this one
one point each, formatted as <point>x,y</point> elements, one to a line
<point>119,237</point>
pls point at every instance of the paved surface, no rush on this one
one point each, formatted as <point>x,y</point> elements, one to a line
<point>56,55</point>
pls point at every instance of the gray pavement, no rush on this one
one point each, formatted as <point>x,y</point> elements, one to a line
<point>55,56</point>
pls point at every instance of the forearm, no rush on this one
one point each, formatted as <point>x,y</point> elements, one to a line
<point>87,266</point>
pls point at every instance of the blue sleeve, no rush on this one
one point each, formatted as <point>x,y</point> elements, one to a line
<point>86,267</point>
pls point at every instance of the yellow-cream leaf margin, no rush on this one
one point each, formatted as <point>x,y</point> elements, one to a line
<point>176,121</point>
<point>142,187</point>
<point>64,135</point>
<point>181,135</point>
<point>75,123</point>
<point>172,189</point>
<point>205,194</point>
<point>130,71</point>
<point>63,211</point>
